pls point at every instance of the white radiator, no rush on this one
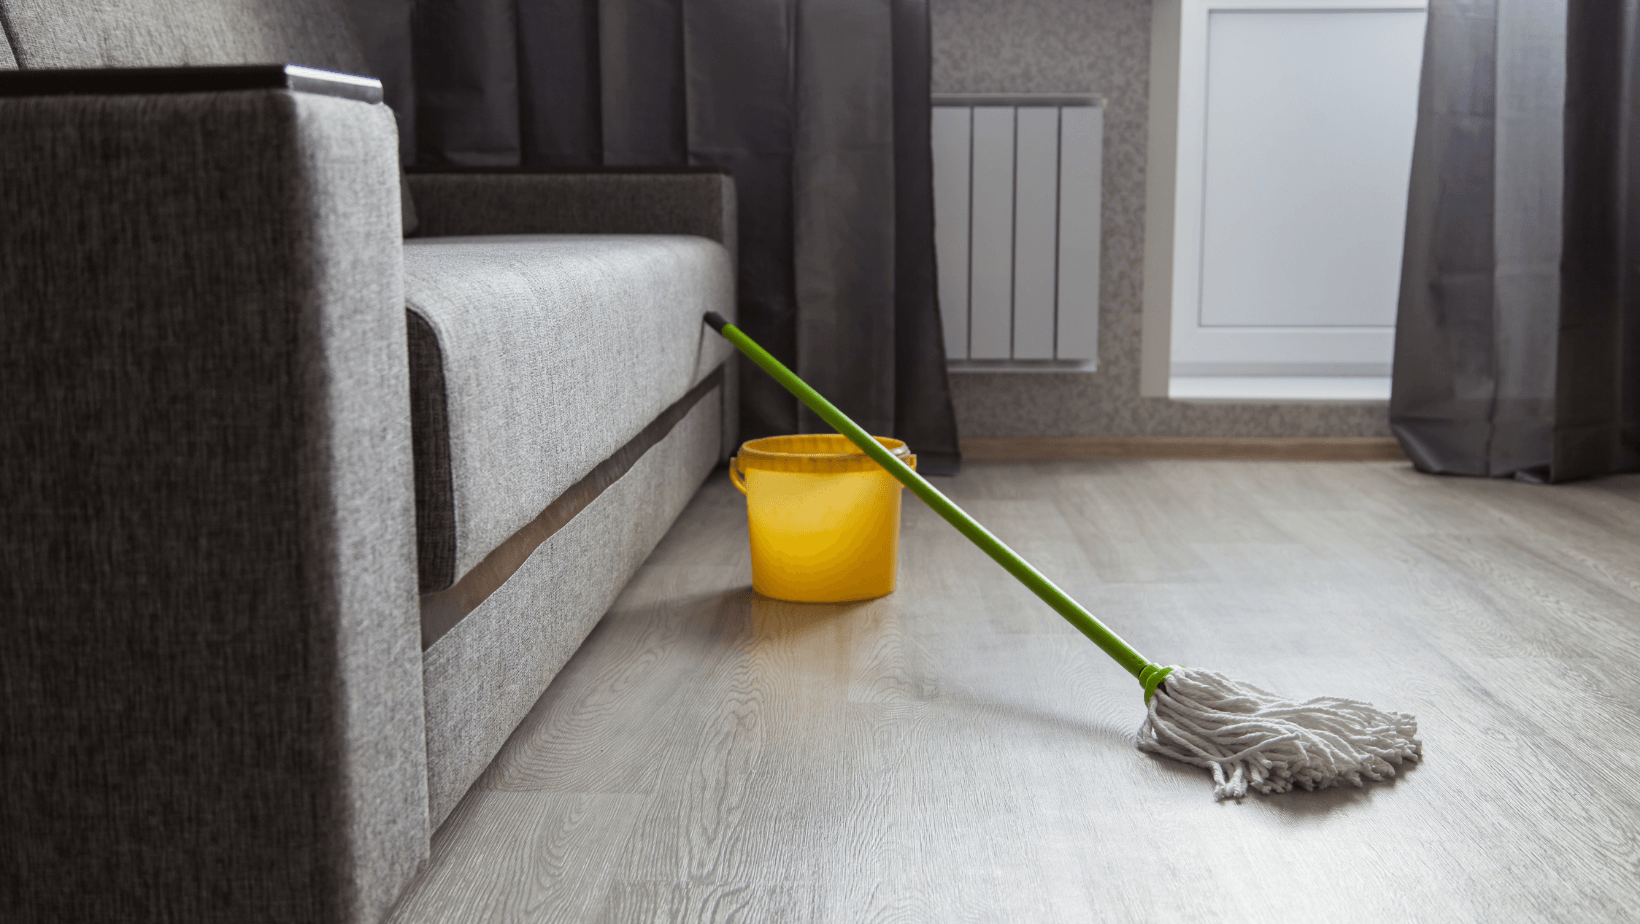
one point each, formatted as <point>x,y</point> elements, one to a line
<point>1016,229</point>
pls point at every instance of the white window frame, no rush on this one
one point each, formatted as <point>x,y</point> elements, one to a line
<point>1181,358</point>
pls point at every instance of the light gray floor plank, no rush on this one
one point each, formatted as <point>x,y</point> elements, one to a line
<point>956,752</point>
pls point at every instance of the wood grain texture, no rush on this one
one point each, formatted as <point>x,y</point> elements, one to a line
<point>955,752</point>
<point>1243,449</point>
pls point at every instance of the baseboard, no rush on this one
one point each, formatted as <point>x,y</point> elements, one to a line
<point>1245,449</point>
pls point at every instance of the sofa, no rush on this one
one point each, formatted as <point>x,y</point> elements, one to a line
<point>301,515</point>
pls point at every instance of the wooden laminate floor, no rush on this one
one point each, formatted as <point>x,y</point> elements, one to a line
<point>955,752</point>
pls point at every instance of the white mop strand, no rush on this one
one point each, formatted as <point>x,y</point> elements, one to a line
<point>1251,738</point>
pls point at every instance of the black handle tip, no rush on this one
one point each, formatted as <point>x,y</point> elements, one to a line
<point>718,321</point>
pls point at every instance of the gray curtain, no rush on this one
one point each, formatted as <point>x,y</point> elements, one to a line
<point>818,108</point>
<point>1517,346</point>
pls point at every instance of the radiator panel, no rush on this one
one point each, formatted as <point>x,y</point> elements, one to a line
<point>991,257</point>
<point>1017,220</point>
<point>1082,138</point>
<point>1036,227</point>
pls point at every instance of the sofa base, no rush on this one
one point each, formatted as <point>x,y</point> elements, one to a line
<point>482,676</point>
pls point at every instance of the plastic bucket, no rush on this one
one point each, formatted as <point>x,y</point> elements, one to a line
<point>824,518</point>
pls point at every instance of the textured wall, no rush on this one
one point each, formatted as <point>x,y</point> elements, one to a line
<point>1103,46</point>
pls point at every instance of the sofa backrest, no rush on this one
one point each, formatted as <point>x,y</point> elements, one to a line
<point>162,33</point>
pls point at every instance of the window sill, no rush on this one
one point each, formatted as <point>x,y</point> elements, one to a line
<point>1279,389</point>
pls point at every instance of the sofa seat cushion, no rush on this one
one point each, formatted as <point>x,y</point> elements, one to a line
<point>536,357</point>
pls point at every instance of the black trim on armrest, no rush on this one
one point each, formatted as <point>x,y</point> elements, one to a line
<point>215,79</point>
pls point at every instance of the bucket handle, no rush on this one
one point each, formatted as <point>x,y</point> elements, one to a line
<point>735,475</point>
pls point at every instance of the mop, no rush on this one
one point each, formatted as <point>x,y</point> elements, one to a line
<point>1247,737</point>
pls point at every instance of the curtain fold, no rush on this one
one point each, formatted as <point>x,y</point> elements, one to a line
<point>843,172</point>
<point>923,412</point>
<point>466,83</point>
<point>1510,349</point>
<point>559,82</point>
<point>818,108</point>
<point>642,100</point>
<point>1597,398</point>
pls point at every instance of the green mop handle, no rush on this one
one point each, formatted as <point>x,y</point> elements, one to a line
<point>1149,674</point>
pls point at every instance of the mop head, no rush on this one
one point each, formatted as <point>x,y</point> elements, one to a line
<point>1250,738</point>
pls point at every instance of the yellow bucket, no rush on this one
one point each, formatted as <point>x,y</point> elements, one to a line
<point>824,518</point>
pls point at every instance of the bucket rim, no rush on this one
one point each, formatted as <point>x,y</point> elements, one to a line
<point>808,452</point>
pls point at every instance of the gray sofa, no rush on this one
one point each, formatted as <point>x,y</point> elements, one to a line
<point>301,517</point>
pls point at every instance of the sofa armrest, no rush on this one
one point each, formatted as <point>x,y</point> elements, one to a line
<point>682,200</point>
<point>211,667</point>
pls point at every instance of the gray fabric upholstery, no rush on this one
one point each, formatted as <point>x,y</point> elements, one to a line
<point>485,674</point>
<point>160,33</point>
<point>8,62</point>
<point>212,705</point>
<point>701,204</point>
<point>555,351</point>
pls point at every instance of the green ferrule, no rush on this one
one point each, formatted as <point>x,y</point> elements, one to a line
<point>1151,677</point>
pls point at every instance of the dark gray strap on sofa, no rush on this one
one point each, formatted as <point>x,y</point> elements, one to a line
<point>441,610</point>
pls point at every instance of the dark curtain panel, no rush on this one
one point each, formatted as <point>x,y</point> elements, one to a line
<point>818,108</point>
<point>1597,398</point>
<point>1510,349</point>
<point>922,415</point>
<point>466,68</point>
